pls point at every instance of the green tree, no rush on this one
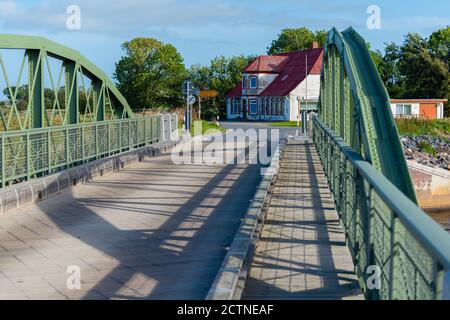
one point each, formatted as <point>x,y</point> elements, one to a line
<point>21,96</point>
<point>417,68</point>
<point>389,71</point>
<point>439,43</point>
<point>296,39</point>
<point>150,74</point>
<point>424,75</point>
<point>221,75</point>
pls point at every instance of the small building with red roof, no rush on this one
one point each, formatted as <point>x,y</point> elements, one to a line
<point>276,87</point>
<point>418,108</point>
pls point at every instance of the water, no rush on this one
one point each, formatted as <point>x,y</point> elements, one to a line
<point>443,218</point>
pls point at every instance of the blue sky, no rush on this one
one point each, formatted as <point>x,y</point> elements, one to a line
<point>203,29</point>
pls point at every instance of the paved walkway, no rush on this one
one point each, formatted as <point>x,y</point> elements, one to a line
<point>302,252</point>
<point>155,230</point>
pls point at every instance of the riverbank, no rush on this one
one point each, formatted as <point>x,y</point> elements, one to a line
<point>427,150</point>
<point>441,217</point>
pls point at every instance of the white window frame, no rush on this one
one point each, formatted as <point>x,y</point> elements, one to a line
<point>400,109</point>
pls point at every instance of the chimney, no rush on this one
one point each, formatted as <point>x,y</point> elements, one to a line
<point>314,45</point>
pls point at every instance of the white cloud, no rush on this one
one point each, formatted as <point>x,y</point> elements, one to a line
<point>7,8</point>
<point>416,23</point>
<point>139,16</point>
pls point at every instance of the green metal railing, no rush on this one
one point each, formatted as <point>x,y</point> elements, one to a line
<point>383,227</point>
<point>35,152</point>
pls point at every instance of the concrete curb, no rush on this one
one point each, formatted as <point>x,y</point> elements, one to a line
<point>445,174</point>
<point>229,279</point>
<point>34,190</point>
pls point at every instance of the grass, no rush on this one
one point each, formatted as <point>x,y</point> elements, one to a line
<point>423,127</point>
<point>285,124</point>
<point>428,148</point>
<point>206,128</point>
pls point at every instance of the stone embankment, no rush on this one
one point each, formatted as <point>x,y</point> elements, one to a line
<point>429,151</point>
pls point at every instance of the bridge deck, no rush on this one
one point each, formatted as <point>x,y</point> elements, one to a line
<point>301,253</point>
<point>155,230</point>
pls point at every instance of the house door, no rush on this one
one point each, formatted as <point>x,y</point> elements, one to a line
<point>244,109</point>
<point>428,110</point>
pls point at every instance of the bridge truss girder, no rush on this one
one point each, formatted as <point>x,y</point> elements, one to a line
<point>355,104</point>
<point>58,103</point>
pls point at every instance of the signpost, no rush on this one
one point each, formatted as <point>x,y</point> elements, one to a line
<point>208,93</point>
<point>187,88</point>
<point>205,94</point>
<point>190,92</point>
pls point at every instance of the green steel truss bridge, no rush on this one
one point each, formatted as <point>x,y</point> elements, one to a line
<point>61,113</point>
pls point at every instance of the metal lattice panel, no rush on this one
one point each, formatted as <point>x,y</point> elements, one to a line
<point>34,152</point>
<point>383,227</point>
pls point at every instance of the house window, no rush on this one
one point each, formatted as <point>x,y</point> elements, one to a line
<point>235,106</point>
<point>253,107</point>
<point>404,109</point>
<point>244,82</point>
<point>253,82</point>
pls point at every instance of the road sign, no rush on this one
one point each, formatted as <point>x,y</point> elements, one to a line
<point>191,100</point>
<point>208,93</point>
<point>187,86</point>
<point>195,91</point>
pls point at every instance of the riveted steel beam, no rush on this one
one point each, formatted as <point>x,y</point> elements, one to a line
<point>355,104</point>
<point>50,106</point>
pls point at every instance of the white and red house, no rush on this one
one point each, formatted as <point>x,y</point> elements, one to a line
<point>418,108</point>
<point>276,87</point>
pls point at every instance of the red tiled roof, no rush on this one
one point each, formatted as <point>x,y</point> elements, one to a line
<point>269,64</point>
<point>290,67</point>
<point>236,92</point>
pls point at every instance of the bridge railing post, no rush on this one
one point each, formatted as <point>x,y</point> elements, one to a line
<point>393,250</point>
<point>82,144</point>
<point>96,141</point>
<point>120,136</point>
<point>109,137</point>
<point>66,133</point>
<point>446,286</point>
<point>3,160</point>
<point>49,152</point>
<point>27,150</point>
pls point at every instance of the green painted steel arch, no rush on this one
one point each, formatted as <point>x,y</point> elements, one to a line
<point>37,51</point>
<point>355,104</point>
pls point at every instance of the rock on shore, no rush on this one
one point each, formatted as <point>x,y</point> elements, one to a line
<point>412,147</point>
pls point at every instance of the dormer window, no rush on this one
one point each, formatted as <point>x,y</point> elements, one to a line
<point>253,82</point>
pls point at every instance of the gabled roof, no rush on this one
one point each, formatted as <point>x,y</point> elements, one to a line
<point>269,64</point>
<point>290,67</point>
<point>236,92</point>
